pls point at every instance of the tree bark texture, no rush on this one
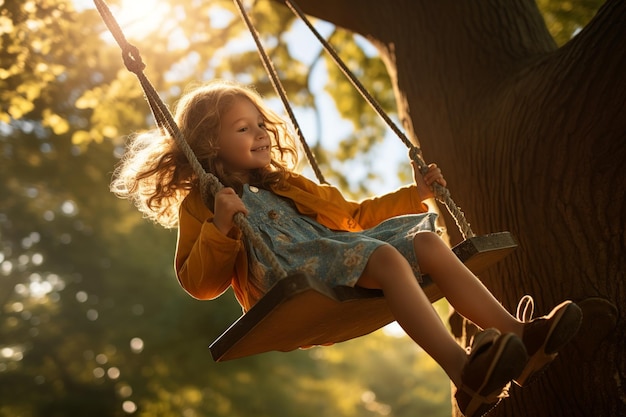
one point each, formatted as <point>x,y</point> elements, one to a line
<point>532,139</point>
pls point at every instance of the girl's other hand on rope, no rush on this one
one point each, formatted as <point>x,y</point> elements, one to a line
<point>227,204</point>
<point>425,181</point>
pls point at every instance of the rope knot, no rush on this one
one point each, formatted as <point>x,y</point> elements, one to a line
<point>415,153</point>
<point>132,59</point>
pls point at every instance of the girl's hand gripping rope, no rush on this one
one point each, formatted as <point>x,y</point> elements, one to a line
<point>425,181</point>
<point>227,204</point>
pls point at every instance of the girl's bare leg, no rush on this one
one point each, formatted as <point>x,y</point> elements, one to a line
<point>460,287</point>
<point>389,271</point>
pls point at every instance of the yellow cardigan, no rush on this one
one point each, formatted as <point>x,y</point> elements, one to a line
<point>208,262</point>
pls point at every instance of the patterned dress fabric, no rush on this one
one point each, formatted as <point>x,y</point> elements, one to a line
<point>303,245</point>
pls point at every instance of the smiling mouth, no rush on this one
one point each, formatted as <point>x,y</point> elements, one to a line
<point>262,148</point>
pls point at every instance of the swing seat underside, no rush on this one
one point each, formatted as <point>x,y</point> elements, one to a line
<point>300,311</point>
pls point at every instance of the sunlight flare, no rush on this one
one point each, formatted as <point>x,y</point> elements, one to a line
<point>137,19</point>
<point>140,18</point>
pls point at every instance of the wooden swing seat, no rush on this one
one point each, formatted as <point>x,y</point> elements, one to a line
<point>299,311</point>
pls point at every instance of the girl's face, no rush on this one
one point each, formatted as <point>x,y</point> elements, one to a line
<point>244,143</point>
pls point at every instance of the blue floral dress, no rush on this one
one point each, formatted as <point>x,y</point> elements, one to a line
<point>301,244</point>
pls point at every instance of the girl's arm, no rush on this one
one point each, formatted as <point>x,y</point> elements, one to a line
<point>408,200</point>
<point>328,206</point>
<point>205,256</point>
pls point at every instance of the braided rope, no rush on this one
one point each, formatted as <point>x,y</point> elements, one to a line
<point>442,194</point>
<point>209,183</point>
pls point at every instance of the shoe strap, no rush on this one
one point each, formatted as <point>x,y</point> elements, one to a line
<point>525,309</point>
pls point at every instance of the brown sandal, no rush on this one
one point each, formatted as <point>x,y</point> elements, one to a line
<point>495,359</point>
<point>544,336</point>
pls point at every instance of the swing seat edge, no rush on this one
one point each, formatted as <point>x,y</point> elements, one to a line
<point>301,311</point>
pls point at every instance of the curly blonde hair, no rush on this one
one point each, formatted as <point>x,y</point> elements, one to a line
<point>155,174</point>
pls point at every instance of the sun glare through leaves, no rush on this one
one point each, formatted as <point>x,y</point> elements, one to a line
<point>138,19</point>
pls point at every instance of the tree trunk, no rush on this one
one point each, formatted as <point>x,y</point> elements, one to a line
<point>532,139</point>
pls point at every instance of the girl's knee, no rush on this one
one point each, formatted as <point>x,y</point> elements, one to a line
<point>427,238</point>
<point>385,251</point>
<point>385,263</point>
<point>385,254</point>
<point>429,250</point>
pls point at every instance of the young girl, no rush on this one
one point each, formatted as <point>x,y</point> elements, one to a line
<point>383,243</point>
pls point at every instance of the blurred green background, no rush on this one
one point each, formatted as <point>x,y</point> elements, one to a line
<point>92,319</point>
